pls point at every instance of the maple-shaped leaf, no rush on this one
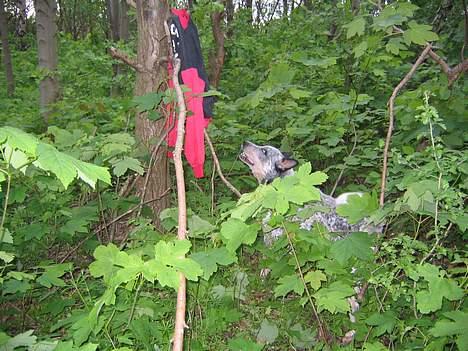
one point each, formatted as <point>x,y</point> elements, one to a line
<point>384,322</point>
<point>315,279</point>
<point>419,34</point>
<point>334,297</point>
<point>354,245</point>
<point>357,207</point>
<point>430,300</point>
<point>52,274</point>
<point>209,260</point>
<point>289,283</point>
<point>455,325</point>
<point>234,233</point>
<point>357,26</point>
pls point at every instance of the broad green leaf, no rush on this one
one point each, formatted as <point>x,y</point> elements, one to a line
<point>384,322</point>
<point>360,49</point>
<point>301,57</point>
<point>52,274</point>
<point>234,233</point>
<point>299,93</point>
<point>357,26</point>
<point>148,101</point>
<point>17,139</point>
<point>267,333</point>
<point>455,325</point>
<point>198,226</point>
<point>210,260</point>
<point>6,257</point>
<point>395,45</point>
<point>241,344</point>
<point>315,279</point>
<point>121,166</point>
<point>67,168</point>
<point>353,245</point>
<point>281,74</point>
<point>108,259</point>
<point>173,253</point>
<point>438,287</point>
<point>334,298</point>
<point>357,207</point>
<point>419,34</point>
<point>24,339</point>
<point>374,346</point>
<point>287,284</point>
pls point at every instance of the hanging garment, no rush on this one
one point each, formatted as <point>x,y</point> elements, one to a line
<point>186,47</point>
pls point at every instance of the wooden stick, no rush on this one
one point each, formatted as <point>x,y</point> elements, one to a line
<point>178,339</point>
<point>218,167</point>
<point>391,103</point>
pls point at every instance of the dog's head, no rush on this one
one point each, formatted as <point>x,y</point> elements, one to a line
<point>266,162</point>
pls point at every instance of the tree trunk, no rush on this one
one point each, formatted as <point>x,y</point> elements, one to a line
<point>285,8</point>
<point>47,52</point>
<point>113,9</point>
<point>6,51</point>
<point>217,56</point>
<point>248,5</point>
<point>124,32</point>
<point>22,17</point>
<point>355,5</point>
<point>152,45</point>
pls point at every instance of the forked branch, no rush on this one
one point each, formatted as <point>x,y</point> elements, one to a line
<point>117,54</point>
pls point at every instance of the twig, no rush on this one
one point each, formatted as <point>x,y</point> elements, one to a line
<point>391,103</point>
<point>178,339</point>
<point>131,3</point>
<point>115,53</point>
<point>77,246</point>
<point>218,167</point>
<point>436,244</point>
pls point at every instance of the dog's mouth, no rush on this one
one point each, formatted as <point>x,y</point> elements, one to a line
<point>244,158</point>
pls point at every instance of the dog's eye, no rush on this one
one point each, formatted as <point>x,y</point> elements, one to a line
<point>264,151</point>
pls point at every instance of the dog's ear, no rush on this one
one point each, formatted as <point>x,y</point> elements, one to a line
<point>286,163</point>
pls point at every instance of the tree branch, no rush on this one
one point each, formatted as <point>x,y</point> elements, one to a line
<point>391,103</point>
<point>452,73</point>
<point>131,3</point>
<point>117,54</point>
<point>178,340</point>
<point>218,167</point>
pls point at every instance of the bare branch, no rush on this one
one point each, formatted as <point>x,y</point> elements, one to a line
<point>452,73</point>
<point>218,167</point>
<point>178,339</point>
<point>115,53</point>
<point>391,103</point>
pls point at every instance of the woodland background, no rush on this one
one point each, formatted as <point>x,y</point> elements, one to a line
<point>88,256</point>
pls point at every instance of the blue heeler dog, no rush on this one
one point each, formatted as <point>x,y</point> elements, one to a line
<point>267,163</point>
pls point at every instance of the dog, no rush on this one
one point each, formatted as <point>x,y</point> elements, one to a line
<point>268,163</point>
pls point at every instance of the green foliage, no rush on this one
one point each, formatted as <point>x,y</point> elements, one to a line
<point>322,96</point>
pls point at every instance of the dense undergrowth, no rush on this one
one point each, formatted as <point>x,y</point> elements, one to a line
<point>72,280</point>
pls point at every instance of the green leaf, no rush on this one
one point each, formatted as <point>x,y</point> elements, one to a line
<point>210,260</point>
<point>357,207</point>
<point>315,279</point>
<point>241,344</point>
<point>357,26</point>
<point>173,253</point>
<point>67,168</point>
<point>198,226</point>
<point>438,287</point>
<point>384,322</point>
<point>123,165</point>
<point>334,298</point>
<point>354,245</point>
<point>148,101</point>
<point>395,45</point>
<point>267,333</point>
<point>6,257</point>
<point>24,339</point>
<point>301,57</point>
<point>374,346</point>
<point>52,274</point>
<point>281,74</point>
<point>17,139</point>
<point>456,324</point>
<point>299,93</point>
<point>360,49</point>
<point>287,284</point>
<point>234,233</point>
<point>419,34</point>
